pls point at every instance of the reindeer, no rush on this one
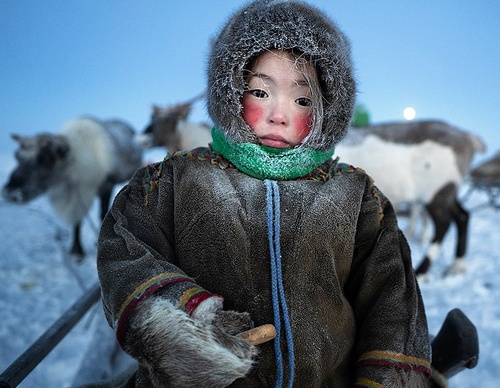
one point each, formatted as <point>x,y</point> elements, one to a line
<point>170,128</point>
<point>419,162</point>
<point>486,177</point>
<point>86,159</point>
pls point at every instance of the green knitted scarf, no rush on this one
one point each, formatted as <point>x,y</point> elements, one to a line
<point>264,162</point>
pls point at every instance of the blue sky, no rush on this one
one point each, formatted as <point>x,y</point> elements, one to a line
<point>63,58</point>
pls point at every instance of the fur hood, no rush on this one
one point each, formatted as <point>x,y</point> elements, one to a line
<point>281,24</point>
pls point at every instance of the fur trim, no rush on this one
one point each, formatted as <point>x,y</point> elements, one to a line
<point>206,309</point>
<point>400,378</point>
<point>439,379</point>
<point>183,352</point>
<point>282,25</point>
<point>173,283</point>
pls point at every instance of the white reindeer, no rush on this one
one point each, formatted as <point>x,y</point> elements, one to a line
<point>87,158</point>
<point>418,163</point>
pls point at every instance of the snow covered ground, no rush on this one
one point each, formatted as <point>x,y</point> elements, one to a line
<point>38,282</point>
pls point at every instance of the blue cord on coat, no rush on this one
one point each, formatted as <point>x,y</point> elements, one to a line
<point>280,308</point>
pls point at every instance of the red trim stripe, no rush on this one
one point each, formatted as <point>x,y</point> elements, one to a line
<point>139,295</point>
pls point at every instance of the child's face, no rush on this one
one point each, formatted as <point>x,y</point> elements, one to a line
<point>277,104</point>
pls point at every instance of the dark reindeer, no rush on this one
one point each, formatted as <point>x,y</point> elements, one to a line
<point>86,159</point>
<point>170,128</point>
<point>486,177</point>
<point>419,162</point>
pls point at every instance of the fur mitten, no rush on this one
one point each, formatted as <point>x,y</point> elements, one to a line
<point>201,350</point>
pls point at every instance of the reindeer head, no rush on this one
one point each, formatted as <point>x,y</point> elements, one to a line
<point>39,159</point>
<point>163,126</point>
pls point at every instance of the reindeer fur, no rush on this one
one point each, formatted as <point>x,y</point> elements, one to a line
<point>418,163</point>
<point>191,344</point>
<point>87,158</point>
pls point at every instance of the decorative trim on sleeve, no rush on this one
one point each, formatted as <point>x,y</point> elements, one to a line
<point>342,168</point>
<point>191,296</point>
<point>395,360</point>
<point>151,177</point>
<point>365,383</point>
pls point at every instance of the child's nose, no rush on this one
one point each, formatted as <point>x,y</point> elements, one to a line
<point>277,115</point>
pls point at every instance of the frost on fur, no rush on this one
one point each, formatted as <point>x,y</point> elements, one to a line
<point>400,378</point>
<point>184,352</point>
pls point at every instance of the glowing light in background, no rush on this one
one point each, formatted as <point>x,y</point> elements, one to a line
<point>409,113</point>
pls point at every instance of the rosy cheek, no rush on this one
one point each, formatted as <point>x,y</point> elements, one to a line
<point>252,113</point>
<point>302,124</point>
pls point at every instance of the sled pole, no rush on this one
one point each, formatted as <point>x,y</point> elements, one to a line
<point>27,361</point>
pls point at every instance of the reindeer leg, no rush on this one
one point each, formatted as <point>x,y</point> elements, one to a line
<point>76,248</point>
<point>105,192</point>
<point>441,222</point>
<point>440,213</point>
<point>105,198</point>
<point>461,218</point>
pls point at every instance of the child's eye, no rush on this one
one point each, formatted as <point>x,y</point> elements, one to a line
<point>303,101</point>
<point>259,93</point>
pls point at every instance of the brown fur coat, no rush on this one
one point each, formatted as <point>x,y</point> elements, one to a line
<point>355,307</point>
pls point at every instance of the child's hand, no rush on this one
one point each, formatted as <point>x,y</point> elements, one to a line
<point>232,322</point>
<point>202,350</point>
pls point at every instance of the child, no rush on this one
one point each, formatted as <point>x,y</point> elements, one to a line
<point>264,226</point>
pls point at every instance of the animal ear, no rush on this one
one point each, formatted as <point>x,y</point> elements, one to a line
<point>25,142</point>
<point>155,111</point>
<point>16,137</point>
